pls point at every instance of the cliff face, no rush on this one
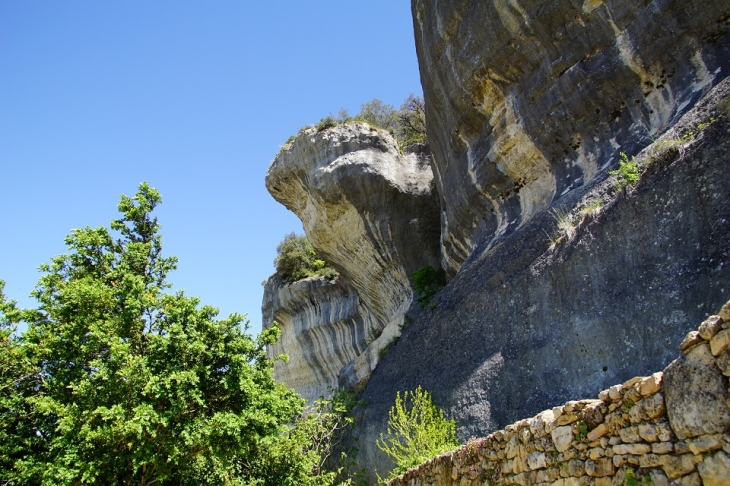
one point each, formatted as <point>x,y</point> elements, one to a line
<point>528,100</point>
<point>321,331</point>
<point>525,326</point>
<point>373,214</point>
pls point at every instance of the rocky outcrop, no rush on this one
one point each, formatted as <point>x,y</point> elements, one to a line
<point>529,324</point>
<point>322,331</point>
<point>527,100</point>
<point>373,214</point>
<point>669,426</point>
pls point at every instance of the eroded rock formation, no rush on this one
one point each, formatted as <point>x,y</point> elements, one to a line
<point>526,100</point>
<point>373,214</point>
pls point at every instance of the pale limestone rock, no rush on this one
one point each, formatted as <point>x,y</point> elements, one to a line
<point>723,362</point>
<point>562,437</point>
<point>715,470</point>
<point>710,327</point>
<point>689,480</point>
<point>720,342</point>
<point>696,395</point>
<point>651,384</point>
<point>677,466</point>
<point>662,447</point>
<point>600,467</point>
<point>597,433</point>
<point>704,444</point>
<point>373,214</point>
<point>635,449</point>
<point>318,320</point>
<point>615,392</point>
<point>648,432</point>
<point>692,339</point>
<point>536,460</point>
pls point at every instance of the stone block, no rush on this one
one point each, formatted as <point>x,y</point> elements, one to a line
<point>692,339</point>
<point>562,437</point>
<point>648,432</point>
<point>696,395</point>
<point>677,466</point>
<point>710,327</point>
<point>651,384</point>
<point>629,435</point>
<point>715,469</point>
<point>597,433</point>
<point>723,362</point>
<point>720,342</point>
<point>615,392</point>
<point>537,460</point>
<point>576,467</point>
<point>662,448</point>
<point>637,449</point>
<point>600,467</point>
<point>704,444</point>
<point>688,480</point>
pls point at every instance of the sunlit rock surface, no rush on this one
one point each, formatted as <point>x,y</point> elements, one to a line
<point>527,99</point>
<point>373,214</point>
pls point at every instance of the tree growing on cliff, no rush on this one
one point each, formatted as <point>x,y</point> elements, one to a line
<point>296,259</point>
<point>120,381</point>
<point>417,431</point>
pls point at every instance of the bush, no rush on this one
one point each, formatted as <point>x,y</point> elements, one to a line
<point>428,282</point>
<point>297,259</point>
<point>627,172</point>
<point>417,431</point>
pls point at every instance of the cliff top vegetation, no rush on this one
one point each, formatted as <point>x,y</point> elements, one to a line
<point>407,124</point>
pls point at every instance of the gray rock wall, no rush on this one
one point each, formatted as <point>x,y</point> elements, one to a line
<point>669,426</point>
<point>526,325</point>
<point>527,100</point>
<point>373,214</point>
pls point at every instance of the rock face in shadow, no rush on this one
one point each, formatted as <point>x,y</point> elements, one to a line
<point>526,325</point>
<point>373,214</point>
<point>527,100</point>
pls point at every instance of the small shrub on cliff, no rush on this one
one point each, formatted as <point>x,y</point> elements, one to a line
<point>428,282</point>
<point>417,431</point>
<point>297,259</point>
<point>627,172</point>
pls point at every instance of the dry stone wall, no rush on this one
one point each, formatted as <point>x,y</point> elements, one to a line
<point>670,428</point>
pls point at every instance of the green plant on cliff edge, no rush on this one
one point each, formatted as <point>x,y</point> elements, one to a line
<point>627,172</point>
<point>417,431</point>
<point>297,259</point>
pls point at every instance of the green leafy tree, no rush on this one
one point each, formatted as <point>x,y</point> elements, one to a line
<point>417,431</point>
<point>297,259</point>
<point>120,381</point>
<point>379,115</point>
<point>411,121</point>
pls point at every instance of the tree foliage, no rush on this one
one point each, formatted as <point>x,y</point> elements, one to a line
<point>417,431</point>
<point>120,381</point>
<point>297,259</point>
<point>407,124</point>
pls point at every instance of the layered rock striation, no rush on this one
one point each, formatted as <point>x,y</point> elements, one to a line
<point>527,100</point>
<point>373,214</point>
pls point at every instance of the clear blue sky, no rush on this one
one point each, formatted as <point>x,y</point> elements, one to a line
<point>194,97</point>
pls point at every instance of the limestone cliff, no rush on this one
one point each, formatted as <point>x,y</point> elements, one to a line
<point>526,100</point>
<point>373,214</point>
<point>527,325</point>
